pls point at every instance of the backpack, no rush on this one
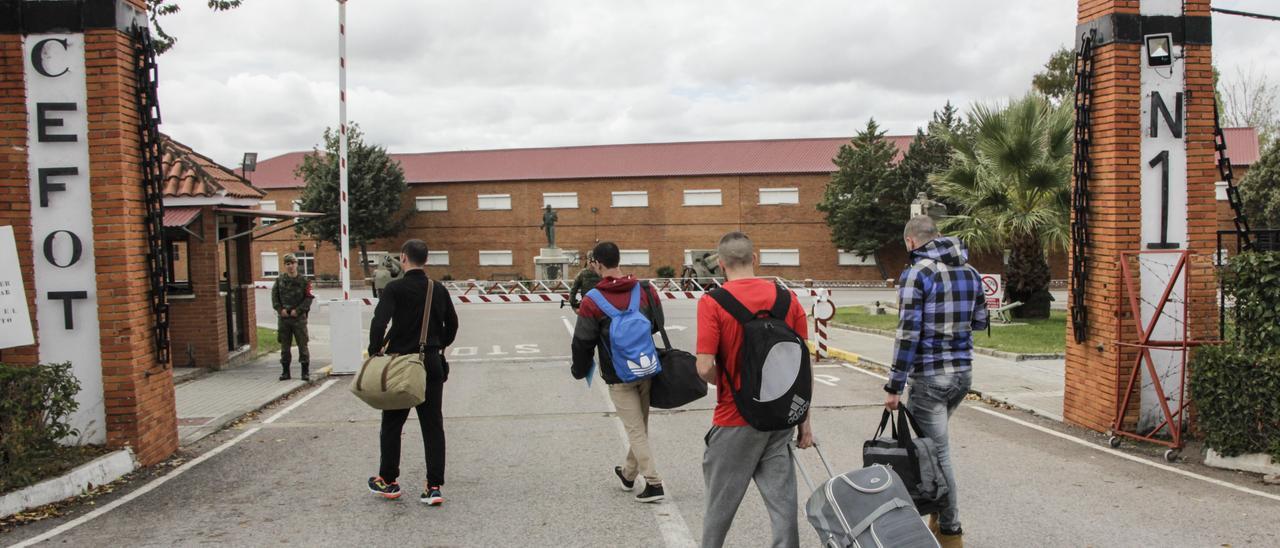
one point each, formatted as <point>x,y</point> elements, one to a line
<point>773,384</point>
<point>630,341</point>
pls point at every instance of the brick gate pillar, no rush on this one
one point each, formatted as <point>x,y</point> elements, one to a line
<point>72,188</point>
<point>1144,118</point>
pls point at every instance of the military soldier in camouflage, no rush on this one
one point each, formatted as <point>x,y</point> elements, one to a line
<point>291,298</point>
<point>584,282</point>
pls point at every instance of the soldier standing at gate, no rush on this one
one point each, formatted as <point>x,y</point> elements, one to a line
<point>291,298</point>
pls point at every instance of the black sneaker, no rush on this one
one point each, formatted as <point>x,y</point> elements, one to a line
<point>626,485</point>
<point>651,493</point>
<point>432,497</point>
<point>381,488</point>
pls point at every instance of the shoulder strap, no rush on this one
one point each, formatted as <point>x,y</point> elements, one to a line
<point>634,305</point>
<point>426,317</point>
<point>604,304</point>
<point>731,305</point>
<point>781,303</point>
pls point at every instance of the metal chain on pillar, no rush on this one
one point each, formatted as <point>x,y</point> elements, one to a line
<point>342,148</point>
<point>1228,176</point>
<point>149,159</point>
<point>1080,193</point>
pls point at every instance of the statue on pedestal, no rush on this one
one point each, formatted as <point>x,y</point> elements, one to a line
<point>549,219</point>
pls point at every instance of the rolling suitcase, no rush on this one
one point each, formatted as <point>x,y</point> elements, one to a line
<point>868,507</point>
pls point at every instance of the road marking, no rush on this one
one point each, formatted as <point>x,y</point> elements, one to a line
<point>829,380</point>
<point>153,484</point>
<point>671,523</point>
<point>1096,447</point>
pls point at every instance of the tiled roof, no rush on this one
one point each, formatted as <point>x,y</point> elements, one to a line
<point>759,157</point>
<point>189,174</point>
<point>775,156</point>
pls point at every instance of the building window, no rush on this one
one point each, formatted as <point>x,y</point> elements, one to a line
<point>779,196</point>
<point>437,258</point>
<point>267,205</point>
<point>493,201</point>
<point>297,205</point>
<point>306,263</point>
<point>639,198</point>
<point>495,258</point>
<point>709,197</point>
<point>560,200</point>
<point>849,258</point>
<point>780,257</point>
<point>270,265</point>
<point>633,257</point>
<point>432,203</point>
<point>178,273</point>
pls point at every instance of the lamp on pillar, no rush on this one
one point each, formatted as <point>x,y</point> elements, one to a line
<point>1159,50</point>
<point>248,163</point>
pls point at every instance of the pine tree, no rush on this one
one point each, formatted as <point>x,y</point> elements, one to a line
<point>375,183</point>
<point>862,202</point>
<point>928,154</point>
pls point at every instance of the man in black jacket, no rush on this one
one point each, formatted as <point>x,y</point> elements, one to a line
<point>402,303</point>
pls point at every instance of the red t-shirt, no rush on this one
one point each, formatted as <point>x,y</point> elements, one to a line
<point>721,335</point>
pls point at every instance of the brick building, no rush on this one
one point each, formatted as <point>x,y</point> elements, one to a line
<point>480,211</point>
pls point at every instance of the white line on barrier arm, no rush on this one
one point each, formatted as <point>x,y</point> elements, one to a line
<point>153,484</point>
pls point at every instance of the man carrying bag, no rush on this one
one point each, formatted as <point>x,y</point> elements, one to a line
<point>404,304</point>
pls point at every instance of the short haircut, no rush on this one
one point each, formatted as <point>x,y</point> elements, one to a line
<point>735,250</point>
<point>416,251</point>
<point>922,228</point>
<point>607,254</point>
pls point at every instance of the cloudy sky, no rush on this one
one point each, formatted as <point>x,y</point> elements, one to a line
<point>481,74</point>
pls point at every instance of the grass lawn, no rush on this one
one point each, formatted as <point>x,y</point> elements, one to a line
<point>267,342</point>
<point>1036,337</point>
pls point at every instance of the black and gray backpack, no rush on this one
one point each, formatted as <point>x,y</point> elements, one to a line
<point>773,384</point>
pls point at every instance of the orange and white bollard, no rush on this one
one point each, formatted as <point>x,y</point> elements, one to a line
<point>823,311</point>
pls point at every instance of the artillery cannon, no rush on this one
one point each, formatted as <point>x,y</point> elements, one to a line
<point>703,270</point>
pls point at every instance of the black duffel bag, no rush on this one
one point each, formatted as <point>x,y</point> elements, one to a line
<point>914,458</point>
<point>678,383</point>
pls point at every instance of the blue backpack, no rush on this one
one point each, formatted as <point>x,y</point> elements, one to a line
<point>630,342</point>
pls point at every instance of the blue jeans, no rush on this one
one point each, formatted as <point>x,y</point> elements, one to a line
<point>931,401</point>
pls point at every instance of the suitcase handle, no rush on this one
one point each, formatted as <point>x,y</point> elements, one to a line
<point>791,448</point>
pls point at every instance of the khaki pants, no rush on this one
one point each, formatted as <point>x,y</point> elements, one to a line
<point>632,402</point>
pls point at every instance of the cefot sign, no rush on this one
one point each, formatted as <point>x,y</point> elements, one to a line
<point>62,218</point>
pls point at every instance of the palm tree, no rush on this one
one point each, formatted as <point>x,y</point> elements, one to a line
<point>1011,177</point>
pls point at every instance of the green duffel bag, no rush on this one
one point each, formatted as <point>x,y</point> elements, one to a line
<point>396,381</point>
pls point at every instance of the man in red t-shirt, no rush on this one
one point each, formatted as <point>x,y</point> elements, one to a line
<point>736,452</point>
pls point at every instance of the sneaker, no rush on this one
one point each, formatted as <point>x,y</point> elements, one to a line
<point>432,497</point>
<point>626,485</point>
<point>380,487</point>
<point>651,493</point>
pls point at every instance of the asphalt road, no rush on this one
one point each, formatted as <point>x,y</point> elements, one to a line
<point>531,453</point>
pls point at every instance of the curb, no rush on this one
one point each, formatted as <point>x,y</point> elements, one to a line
<point>1011,356</point>
<point>218,423</point>
<point>100,471</point>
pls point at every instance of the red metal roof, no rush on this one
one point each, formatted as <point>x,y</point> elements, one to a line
<point>1242,145</point>
<point>759,157</point>
<point>177,217</point>
<point>602,161</point>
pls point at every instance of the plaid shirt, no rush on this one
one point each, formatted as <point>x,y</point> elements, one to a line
<point>941,303</point>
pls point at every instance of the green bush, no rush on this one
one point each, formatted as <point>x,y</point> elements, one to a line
<point>1236,386</point>
<point>666,272</point>
<point>35,405</point>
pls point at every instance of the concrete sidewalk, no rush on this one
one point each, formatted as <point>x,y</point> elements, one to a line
<point>1034,385</point>
<point>217,398</point>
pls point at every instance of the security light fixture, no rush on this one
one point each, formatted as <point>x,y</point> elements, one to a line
<point>249,163</point>
<point>1159,50</point>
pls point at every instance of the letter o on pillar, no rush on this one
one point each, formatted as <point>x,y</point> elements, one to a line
<point>77,248</point>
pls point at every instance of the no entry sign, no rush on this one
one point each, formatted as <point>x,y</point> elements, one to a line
<point>993,290</point>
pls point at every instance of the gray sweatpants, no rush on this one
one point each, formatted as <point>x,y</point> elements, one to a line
<point>735,455</point>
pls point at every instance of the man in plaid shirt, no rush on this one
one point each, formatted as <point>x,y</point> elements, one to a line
<point>941,304</point>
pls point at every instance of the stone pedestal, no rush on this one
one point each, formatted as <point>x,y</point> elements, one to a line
<point>552,263</point>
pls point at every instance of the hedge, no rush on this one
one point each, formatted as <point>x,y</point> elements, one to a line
<point>1236,386</point>
<point>36,404</point>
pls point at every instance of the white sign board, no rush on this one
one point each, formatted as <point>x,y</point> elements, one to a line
<point>62,219</point>
<point>993,290</point>
<point>15,319</point>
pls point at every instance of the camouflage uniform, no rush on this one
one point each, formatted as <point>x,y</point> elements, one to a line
<point>584,282</point>
<point>292,293</point>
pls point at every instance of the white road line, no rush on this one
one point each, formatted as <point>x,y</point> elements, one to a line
<point>1107,450</point>
<point>671,523</point>
<point>151,486</point>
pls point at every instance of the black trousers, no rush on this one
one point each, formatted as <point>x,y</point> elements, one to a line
<point>430,418</point>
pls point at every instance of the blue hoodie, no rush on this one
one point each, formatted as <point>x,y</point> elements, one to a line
<point>940,304</point>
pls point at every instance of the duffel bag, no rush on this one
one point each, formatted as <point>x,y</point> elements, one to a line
<point>913,458</point>
<point>396,381</point>
<point>678,383</point>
